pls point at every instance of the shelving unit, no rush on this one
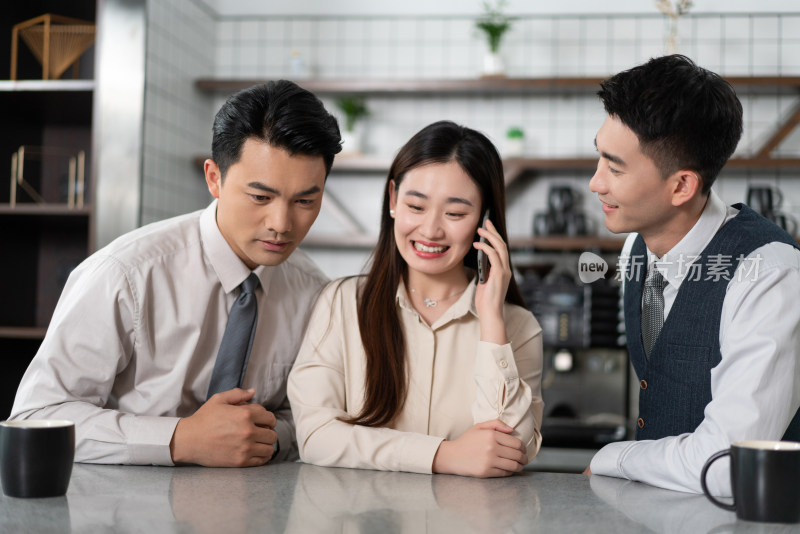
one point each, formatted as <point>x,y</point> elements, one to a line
<point>514,168</point>
<point>45,240</point>
<point>532,86</point>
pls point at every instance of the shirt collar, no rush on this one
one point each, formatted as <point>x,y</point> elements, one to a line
<point>673,265</point>
<point>230,269</point>
<point>464,305</point>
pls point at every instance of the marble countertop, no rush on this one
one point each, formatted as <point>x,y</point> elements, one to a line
<point>293,497</point>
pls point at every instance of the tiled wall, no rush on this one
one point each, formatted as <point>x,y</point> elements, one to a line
<point>436,47</point>
<point>177,122</point>
<point>260,47</point>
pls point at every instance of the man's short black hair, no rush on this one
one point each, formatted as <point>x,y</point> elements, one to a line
<point>279,113</point>
<point>686,117</point>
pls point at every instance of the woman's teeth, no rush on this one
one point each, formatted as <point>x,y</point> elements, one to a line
<point>424,248</point>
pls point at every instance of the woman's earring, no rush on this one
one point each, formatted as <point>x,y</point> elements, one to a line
<point>391,213</point>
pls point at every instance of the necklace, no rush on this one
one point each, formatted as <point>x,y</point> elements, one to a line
<point>431,303</point>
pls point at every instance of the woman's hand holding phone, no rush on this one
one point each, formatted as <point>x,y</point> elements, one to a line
<point>491,294</point>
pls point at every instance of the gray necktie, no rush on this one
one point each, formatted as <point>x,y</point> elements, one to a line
<point>652,308</point>
<point>237,340</point>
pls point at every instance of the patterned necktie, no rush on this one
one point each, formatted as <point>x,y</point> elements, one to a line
<point>234,350</point>
<point>652,308</point>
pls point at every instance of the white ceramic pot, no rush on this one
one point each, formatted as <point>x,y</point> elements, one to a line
<point>493,64</point>
<point>514,147</point>
<point>351,142</point>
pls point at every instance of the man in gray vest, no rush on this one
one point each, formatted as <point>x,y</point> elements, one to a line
<point>711,321</point>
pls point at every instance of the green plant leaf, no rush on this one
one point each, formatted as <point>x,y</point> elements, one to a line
<point>494,23</point>
<point>354,109</point>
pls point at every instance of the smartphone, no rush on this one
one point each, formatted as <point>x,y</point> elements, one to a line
<point>483,260</point>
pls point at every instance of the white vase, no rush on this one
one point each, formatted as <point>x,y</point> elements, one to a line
<point>351,142</point>
<point>493,64</point>
<point>672,37</point>
<point>514,147</point>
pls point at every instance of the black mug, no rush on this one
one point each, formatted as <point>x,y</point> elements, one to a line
<point>36,457</point>
<point>764,200</point>
<point>549,223</point>
<point>560,199</point>
<point>577,224</point>
<point>765,480</point>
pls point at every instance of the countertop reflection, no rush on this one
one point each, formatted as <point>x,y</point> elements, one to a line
<point>298,498</point>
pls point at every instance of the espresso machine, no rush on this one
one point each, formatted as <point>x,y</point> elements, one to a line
<point>586,370</point>
<point>562,216</point>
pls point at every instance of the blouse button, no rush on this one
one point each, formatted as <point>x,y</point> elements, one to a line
<point>640,422</point>
<point>503,364</point>
<point>643,384</point>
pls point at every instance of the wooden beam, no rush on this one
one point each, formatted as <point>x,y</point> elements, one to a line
<point>333,206</point>
<point>782,133</point>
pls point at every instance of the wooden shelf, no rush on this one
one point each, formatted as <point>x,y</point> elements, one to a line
<point>558,243</point>
<point>550,243</point>
<point>22,332</point>
<point>762,163</point>
<point>479,86</point>
<point>45,209</point>
<point>591,163</point>
<point>419,87</point>
<point>379,164</point>
<point>567,243</point>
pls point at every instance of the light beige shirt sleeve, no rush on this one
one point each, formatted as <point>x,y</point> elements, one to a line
<point>454,381</point>
<point>508,380</point>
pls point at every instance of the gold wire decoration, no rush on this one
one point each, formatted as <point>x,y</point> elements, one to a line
<point>56,41</point>
<point>49,164</point>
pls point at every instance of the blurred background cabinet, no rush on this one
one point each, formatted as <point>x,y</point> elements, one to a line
<point>43,241</point>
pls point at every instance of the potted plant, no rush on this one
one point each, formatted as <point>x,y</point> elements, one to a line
<point>494,24</point>
<point>515,142</point>
<point>354,109</point>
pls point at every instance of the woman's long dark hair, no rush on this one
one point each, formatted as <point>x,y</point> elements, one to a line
<point>381,331</point>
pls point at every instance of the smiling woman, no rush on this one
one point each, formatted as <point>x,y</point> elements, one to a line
<point>433,230</point>
<point>416,366</point>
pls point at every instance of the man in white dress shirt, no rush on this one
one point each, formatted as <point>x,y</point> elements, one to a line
<point>130,350</point>
<point>711,321</point>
